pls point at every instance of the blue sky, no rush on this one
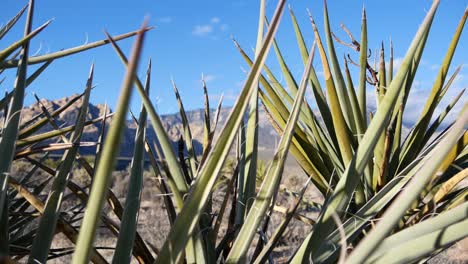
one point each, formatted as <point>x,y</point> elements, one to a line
<point>193,37</point>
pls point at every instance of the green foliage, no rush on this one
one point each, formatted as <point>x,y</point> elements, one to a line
<point>383,192</point>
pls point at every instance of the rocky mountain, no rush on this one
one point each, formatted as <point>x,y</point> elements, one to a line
<point>268,137</point>
<point>172,123</point>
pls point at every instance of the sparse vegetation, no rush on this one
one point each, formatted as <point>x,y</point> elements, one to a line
<point>371,193</point>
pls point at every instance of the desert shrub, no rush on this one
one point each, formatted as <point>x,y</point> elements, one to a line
<point>364,199</point>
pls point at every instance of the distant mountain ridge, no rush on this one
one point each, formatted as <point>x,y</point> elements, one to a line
<point>267,135</point>
<point>171,122</point>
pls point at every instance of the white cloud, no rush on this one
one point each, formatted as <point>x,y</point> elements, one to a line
<point>240,84</point>
<point>227,95</point>
<point>418,97</point>
<point>397,63</point>
<point>209,77</point>
<point>215,20</point>
<point>211,28</point>
<point>459,79</point>
<point>202,30</point>
<point>417,85</point>
<point>223,27</point>
<point>435,67</point>
<point>165,20</point>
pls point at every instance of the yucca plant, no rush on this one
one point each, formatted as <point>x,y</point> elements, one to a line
<point>362,178</point>
<point>20,236</point>
<point>388,197</point>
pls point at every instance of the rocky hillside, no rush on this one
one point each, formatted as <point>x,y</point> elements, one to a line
<point>172,123</point>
